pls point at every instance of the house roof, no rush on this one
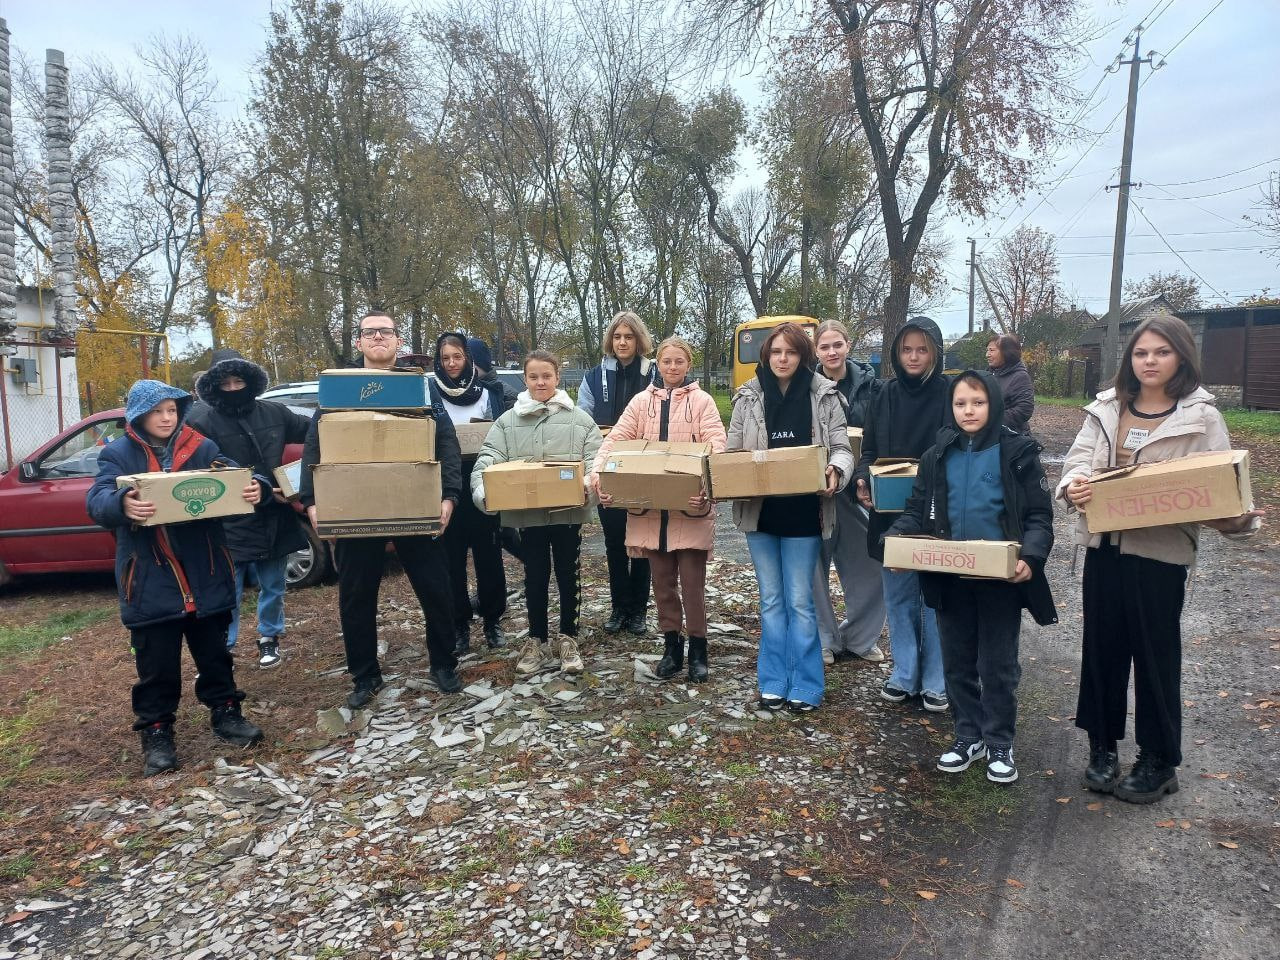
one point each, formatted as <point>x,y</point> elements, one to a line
<point>1130,314</point>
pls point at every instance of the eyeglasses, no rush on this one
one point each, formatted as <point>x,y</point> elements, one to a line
<point>378,333</point>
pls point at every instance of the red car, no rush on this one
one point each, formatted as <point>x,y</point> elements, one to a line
<point>44,527</point>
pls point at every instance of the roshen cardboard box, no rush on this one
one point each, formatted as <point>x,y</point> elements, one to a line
<point>191,494</point>
<point>363,389</point>
<point>289,479</point>
<point>655,474</point>
<point>855,442</point>
<point>370,436</point>
<point>993,559</point>
<point>1202,486</point>
<point>532,485</point>
<point>471,436</point>
<point>891,483</point>
<point>768,473</point>
<point>377,499</point>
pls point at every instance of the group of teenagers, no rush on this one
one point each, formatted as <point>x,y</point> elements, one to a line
<point>954,641</point>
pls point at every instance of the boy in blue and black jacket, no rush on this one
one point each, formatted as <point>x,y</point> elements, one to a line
<point>982,481</point>
<point>174,580</point>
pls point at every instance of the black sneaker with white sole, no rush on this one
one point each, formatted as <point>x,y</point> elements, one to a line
<point>269,653</point>
<point>770,702</point>
<point>1000,768</point>
<point>799,706</point>
<point>935,702</point>
<point>961,755</point>
<point>893,694</point>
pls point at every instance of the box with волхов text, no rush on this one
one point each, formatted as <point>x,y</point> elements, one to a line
<point>655,474</point>
<point>990,559</point>
<point>533,485</point>
<point>191,494</point>
<point>1203,486</point>
<point>377,499</point>
<point>780,472</point>
<point>361,388</point>
<point>372,436</point>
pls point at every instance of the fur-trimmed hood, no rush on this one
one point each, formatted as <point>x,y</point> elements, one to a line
<point>229,363</point>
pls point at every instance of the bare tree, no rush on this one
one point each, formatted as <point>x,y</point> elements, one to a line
<point>1022,276</point>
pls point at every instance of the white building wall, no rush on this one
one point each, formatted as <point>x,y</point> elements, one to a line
<point>33,407</point>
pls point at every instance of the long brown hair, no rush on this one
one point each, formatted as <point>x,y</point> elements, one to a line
<point>795,336</point>
<point>1184,380</point>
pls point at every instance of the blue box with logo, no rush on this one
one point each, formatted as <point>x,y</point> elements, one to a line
<point>361,389</point>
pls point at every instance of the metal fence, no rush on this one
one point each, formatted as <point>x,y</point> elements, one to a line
<point>38,394</point>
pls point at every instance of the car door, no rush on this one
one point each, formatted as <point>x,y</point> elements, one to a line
<point>44,527</point>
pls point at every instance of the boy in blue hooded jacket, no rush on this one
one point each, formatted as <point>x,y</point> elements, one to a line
<point>982,481</point>
<point>174,580</point>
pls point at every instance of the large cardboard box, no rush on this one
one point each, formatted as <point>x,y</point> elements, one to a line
<point>655,474</point>
<point>855,442</point>
<point>785,471</point>
<point>992,559</point>
<point>891,483</point>
<point>471,436</point>
<point>1203,486</point>
<point>532,485</point>
<point>377,499</point>
<point>289,479</point>
<point>362,389</point>
<point>370,436</point>
<point>191,494</point>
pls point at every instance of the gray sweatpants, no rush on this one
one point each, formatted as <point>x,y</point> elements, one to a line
<point>859,575</point>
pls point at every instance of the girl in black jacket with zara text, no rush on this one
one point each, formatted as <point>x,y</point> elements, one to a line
<point>983,481</point>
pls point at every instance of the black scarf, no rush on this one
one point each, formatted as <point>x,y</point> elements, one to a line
<point>466,389</point>
<point>233,403</point>
<point>788,417</point>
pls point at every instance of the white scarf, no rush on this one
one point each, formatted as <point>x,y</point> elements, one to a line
<point>526,406</point>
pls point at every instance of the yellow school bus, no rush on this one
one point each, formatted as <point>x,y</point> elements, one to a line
<point>746,343</point>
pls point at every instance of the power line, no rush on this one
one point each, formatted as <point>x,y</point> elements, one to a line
<point>1161,253</point>
<point>1189,233</point>
<point>1221,176</point>
<point>1220,193</point>
<point>1183,259</point>
<point>1169,53</point>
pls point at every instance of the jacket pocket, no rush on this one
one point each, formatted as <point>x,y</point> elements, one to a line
<point>127,582</point>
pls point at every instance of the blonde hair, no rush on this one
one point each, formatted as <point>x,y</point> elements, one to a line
<point>644,341</point>
<point>678,343</point>
<point>832,326</point>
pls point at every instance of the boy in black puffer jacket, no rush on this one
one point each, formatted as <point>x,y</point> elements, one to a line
<point>174,580</point>
<point>983,481</point>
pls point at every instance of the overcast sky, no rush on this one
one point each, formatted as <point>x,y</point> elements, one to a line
<point>1208,131</point>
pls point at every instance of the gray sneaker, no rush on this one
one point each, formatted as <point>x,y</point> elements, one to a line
<point>534,655</point>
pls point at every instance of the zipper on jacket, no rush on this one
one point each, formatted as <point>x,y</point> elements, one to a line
<point>188,601</point>
<point>128,578</point>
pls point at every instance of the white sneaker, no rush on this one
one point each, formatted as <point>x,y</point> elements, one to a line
<point>1000,768</point>
<point>570,659</point>
<point>961,755</point>
<point>828,657</point>
<point>874,655</point>
<point>534,655</point>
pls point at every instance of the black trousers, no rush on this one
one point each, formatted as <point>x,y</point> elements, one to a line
<point>979,631</point>
<point>157,653</point>
<point>360,565</point>
<point>1132,614</point>
<point>542,550</point>
<point>628,576</point>
<point>471,530</point>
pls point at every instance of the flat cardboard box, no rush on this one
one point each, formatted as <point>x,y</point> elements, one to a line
<point>289,479</point>
<point>988,559</point>
<point>655,474</point>
<point>855,442</point>
<point>784,471</point>
<point>371,436</point>
<point>359,388</point>
<point>891,483</point>
<point>377,499</point>
<point>534,485</point>
<point>471,435</point>
<point>1203,486</point>
<point>191,494</point>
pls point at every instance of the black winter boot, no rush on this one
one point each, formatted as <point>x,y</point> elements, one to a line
<point>672,657</point>
<point>1149,780</point>
<point>158,752</point>
<point>617,620</point>
<point>1104,766</point>
<point>697,659</point>
<point>230,725</point>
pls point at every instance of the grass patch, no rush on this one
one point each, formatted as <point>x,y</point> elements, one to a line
<point>1078,402</point>
<point>30,638</point>
<point>17,868</point>
<point>604,922</point>
<point>1263,424</point>
<point>724,403</point>
<point>970,799</point>
<point>16,750</point>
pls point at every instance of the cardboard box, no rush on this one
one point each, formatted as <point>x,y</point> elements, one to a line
<point>191,494</point>
<point>655,474</point>
<point>377,499</point>
<point>471,436</point>
<point>855,442</point>
<point>1203,486</point>
<point>990,559</point>
<point>362,389</point>
<point>785,471</point>
<point>532,485</point>
<point>368,436</point>
<point>289,479</point>
<point>891,483</point>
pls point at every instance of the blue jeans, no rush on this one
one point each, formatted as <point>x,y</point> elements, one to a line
<point>271,586</point>
<point>790,661</point>
<point>913,636</point>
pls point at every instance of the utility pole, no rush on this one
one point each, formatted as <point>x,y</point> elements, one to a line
<point>973,265</point>
<point>1111,343</point>
<point>995,311</point>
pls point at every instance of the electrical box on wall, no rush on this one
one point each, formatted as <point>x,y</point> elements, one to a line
<point>23,370</point>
